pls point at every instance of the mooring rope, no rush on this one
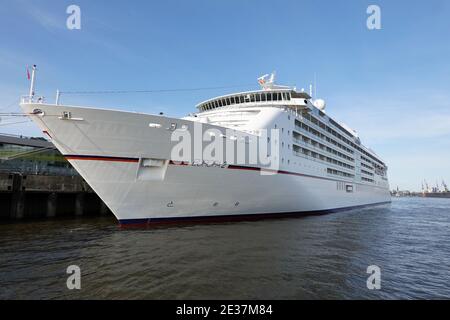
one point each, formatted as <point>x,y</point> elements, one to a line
<point>12,123</point>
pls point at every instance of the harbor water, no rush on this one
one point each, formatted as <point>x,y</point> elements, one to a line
<point>315,257</point>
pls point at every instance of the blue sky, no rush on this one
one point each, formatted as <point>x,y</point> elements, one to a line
<point>391,85</point>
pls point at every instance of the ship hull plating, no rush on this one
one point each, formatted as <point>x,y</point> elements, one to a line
<point>111,151</point>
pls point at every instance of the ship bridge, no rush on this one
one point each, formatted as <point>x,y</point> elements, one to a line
<point>270,94</point>
<point>271,97</point>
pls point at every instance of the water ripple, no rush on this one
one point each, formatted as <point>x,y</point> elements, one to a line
<point>322,257</point>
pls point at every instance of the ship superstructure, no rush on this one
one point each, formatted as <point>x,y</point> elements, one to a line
<point>153,168</point>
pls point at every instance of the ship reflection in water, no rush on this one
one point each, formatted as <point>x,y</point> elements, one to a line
<point>305,258</point>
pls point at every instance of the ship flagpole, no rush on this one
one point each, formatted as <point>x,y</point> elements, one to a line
<point>33,77</point>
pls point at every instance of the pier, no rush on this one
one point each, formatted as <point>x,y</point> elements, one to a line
<point>40,196</point>
<point>37,182</point>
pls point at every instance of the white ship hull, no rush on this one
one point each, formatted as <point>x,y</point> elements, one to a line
<point>108,148</point>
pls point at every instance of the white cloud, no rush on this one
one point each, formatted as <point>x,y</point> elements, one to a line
<point>410,130</point>
<point>408,170</point>
<point>47,20</point>
<point>381,119</point>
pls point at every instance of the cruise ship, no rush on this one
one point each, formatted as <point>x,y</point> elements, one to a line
<point>271,152</point>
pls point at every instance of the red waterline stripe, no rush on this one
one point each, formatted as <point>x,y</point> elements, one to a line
<point>232,167</point>
<point>99,158</point>
<point>46,132</point>
<point>283,172</point>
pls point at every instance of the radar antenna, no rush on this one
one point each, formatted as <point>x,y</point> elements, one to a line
<point>267,82</point>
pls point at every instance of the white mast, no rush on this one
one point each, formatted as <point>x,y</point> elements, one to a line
<point>33,75</point>
<point>57,97</point>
